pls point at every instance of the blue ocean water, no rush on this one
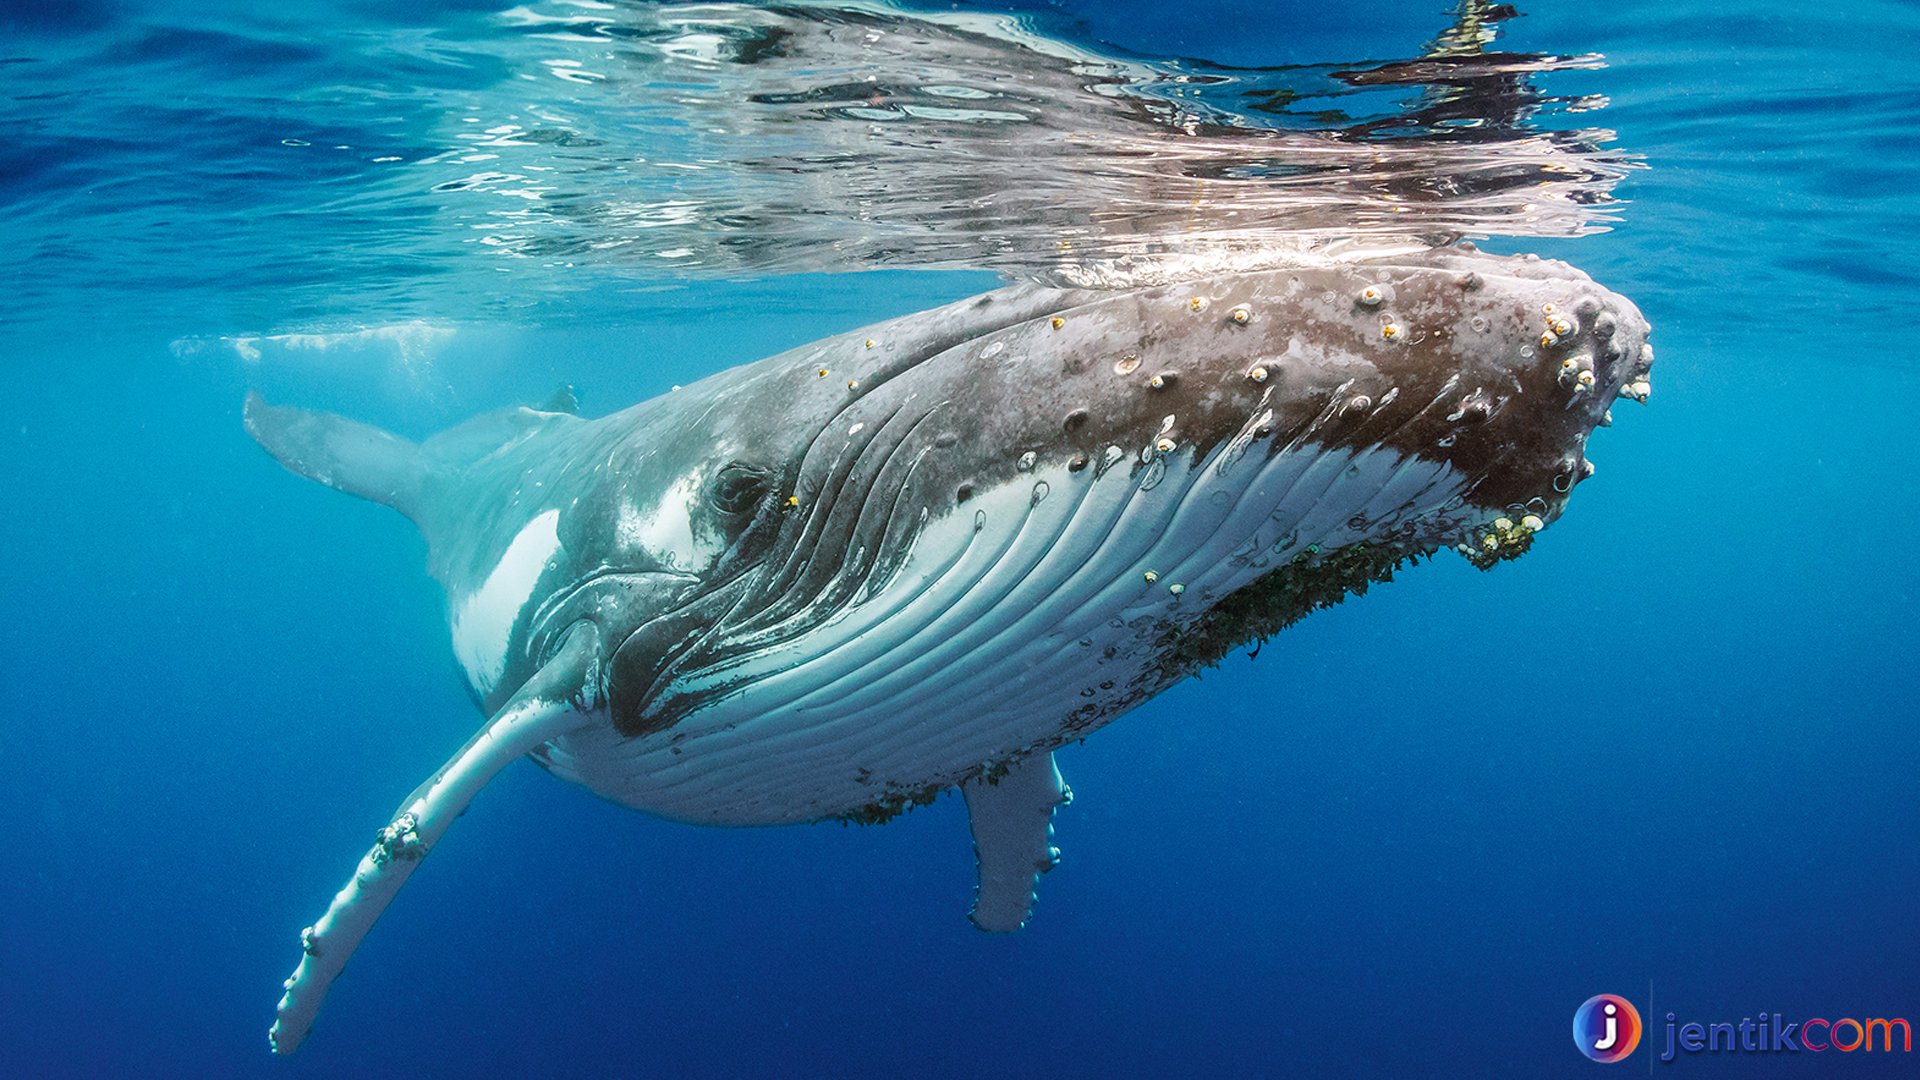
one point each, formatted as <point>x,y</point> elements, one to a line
<point>1670,754</point>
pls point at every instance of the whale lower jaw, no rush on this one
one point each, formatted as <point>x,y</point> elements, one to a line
<point>1028,616</point>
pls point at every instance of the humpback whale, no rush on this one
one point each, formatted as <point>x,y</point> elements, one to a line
<point>922,555</point>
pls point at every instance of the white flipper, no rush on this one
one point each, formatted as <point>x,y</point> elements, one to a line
<point>542,710</point>
<point>1013,838</point>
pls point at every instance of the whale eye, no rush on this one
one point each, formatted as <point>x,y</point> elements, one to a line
<point>740,488</point>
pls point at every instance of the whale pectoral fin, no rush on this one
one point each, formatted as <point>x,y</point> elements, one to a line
<point>1013,838</point>
<point>544,709</point>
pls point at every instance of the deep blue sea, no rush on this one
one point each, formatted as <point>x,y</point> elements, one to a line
<point>1672,754</point>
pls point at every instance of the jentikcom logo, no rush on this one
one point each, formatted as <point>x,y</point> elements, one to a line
<point>1606,1027</point>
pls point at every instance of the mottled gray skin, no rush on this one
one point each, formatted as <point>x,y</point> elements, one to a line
<point>812,472</point>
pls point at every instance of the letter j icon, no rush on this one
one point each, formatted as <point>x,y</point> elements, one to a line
<point>1606,1027</point>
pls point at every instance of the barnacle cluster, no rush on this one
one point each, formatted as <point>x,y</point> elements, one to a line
<point>399,839</point>
<point>1502,540</point>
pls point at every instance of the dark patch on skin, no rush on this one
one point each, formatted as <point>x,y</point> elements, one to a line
<point>1278,599</point>
<point>899,801</point>
<point>894,803</point>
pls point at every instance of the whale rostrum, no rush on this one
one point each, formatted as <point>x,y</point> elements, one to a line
<point>840,581</point>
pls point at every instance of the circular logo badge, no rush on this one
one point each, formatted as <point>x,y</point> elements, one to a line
<point>1606,1027</point>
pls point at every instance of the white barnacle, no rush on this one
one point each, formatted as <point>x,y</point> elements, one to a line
<point>1257,373</point>
<point>1532,523</point>
<point>1152,577</point>
<point>1165,445</point>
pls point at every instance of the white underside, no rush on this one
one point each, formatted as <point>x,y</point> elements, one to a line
<point>1007,617</point>
<point>483,621</point>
